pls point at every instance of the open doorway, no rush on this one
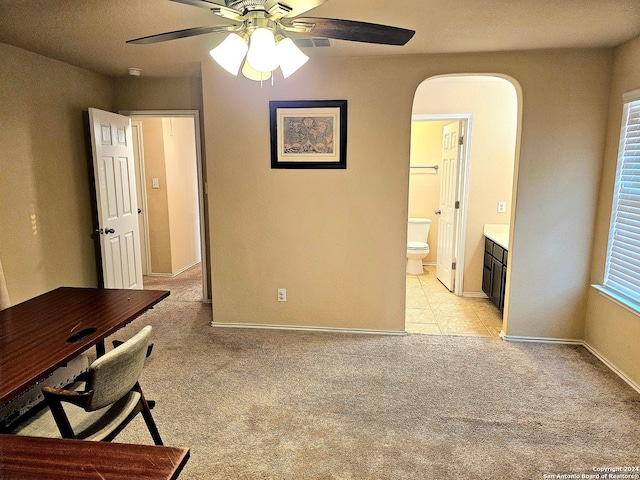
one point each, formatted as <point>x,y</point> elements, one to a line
<point>171,200</point>
<point>486,107</point>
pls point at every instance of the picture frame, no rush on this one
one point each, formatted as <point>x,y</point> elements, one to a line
<point>308,134</point>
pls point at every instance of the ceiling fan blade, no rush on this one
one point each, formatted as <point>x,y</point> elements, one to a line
<point>298,7</point>
<point>200,3</point>
<point>188,32</point>
<point>355,31</point>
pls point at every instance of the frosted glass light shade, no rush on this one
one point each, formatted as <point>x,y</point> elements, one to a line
<point>263,52</point>
<point>230,53</point>
<point>290,56</point>
<point>253,74</point>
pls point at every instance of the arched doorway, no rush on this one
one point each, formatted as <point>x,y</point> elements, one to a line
<point>487,109</point>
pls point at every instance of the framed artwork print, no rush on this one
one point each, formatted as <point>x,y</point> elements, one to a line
<point>308,133</point>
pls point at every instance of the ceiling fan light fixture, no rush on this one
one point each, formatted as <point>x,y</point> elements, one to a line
<point>230,53</point>
<point>263,52</point>
<point>290,56</point>
<point>253,74</point>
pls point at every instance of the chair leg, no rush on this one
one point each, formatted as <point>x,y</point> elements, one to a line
<point>148,418</point>
<point>151,425</point>
<point>60,417</point>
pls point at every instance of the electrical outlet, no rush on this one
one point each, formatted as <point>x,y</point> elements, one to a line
<point>502,207</point>
<point>282,294</point>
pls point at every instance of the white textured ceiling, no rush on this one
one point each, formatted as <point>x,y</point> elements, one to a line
<point>91,33</point>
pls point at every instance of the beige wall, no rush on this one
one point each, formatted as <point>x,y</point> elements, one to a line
<point>493,105</point>
<point>142,93</point>
<point>563,126</point>
<point>157,198</point>
<point>612,330</point>
<point>45,207</point>
<point>182,191</point>
<point>336,239</point>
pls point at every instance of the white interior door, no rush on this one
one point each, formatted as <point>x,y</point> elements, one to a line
<point>117,206</point>
<point>447,211</point>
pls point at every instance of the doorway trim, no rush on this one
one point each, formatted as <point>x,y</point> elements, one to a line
<point>136,132</point>
<point>195,115</point>
<point>463,188</point>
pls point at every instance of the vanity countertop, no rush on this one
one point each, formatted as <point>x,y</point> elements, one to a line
<point>499,233</point>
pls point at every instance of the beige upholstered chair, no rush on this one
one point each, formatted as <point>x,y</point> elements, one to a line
<point>110,399</point>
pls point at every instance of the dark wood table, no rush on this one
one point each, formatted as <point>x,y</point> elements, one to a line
<point>32,458</point>
<point>44,333</point>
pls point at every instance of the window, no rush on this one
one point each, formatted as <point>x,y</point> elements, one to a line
<point>622,269</point>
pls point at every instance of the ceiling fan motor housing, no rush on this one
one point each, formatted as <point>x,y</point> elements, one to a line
<point>241,5</point>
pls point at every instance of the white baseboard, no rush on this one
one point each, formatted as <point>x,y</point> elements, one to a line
<point>565,341</point>
<point>309,329</point>
<point>175,274</point>
<point>569,341</point>
<point>612,367</point>
<point>474,294</point>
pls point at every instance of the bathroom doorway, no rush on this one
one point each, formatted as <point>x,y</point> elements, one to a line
<point>488,105</point>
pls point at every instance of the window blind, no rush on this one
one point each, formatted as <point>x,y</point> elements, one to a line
<point>622,272</point>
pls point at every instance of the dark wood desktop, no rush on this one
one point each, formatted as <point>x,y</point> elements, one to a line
<point>37,458</point>
<point>44,333</point>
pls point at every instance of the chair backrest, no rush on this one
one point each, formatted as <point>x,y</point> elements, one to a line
<point>114,374</point>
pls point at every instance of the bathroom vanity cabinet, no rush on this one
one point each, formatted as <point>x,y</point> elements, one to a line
<point>494,274</point>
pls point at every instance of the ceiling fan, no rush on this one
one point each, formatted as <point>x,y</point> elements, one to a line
<point>258,35</point>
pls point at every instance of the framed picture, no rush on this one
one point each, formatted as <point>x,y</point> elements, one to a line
<point>308,134</point>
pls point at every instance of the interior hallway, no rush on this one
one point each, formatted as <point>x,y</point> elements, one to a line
<point>184,287</point>
<point>431,309</point>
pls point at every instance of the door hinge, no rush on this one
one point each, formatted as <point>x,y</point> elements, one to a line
<point>457,203</point>
<point>461,140</point>
<point>453,266</point>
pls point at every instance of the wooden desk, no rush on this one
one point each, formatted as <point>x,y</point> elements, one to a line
<point>54,458</point>
<point>44,333</point>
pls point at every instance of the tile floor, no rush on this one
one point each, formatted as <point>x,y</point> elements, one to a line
<point>432,310</point>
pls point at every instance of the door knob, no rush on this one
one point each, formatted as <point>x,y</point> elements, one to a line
<point>438,212</point>
<point>109,230</point>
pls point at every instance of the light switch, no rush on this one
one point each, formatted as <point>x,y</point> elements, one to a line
<point>155,183</point>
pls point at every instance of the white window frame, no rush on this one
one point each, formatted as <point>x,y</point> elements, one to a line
<point>622,264</point>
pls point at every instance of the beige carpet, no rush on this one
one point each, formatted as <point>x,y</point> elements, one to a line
<point>255,404</point>
<point>185,287</point>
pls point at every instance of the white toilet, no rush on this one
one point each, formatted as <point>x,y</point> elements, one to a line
<point>417,246</point>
